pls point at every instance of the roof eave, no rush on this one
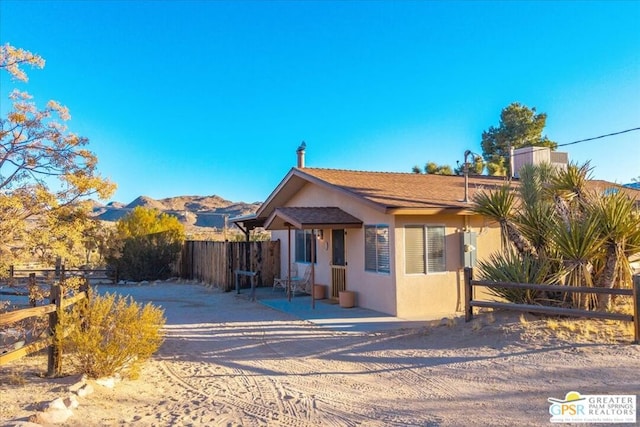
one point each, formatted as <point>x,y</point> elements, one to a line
<point>453,210</point>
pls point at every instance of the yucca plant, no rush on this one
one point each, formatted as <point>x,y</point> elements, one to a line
<point>509,266</point>
<point>619,223</point>
<point>568,189</point>
<point>536,215</point>
<point>535,223</point>
<point>533,180</point>
<point>571,183</point>
<point>499,205</point>
<point>578,243</point>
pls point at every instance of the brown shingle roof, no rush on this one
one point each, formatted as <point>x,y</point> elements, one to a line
<point>405,190</point>
<point>396,192</point>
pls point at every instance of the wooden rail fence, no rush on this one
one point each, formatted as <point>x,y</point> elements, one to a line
<point>558,311</point>
<point>57,303</point>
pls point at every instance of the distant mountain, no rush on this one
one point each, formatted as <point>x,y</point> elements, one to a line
<point>635,185</point>
<point>196,211</point>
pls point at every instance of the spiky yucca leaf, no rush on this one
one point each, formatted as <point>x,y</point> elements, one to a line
<point>571,183</point>
<point>535,222</point>
<point>509,266</point>
<point>578,243</point>
<point>499,205</point>
<point>533,179</point>
<point>620,228</point>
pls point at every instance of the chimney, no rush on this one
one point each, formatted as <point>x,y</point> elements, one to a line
<point>300,152</point>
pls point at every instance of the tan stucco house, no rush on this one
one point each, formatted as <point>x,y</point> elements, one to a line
<point>400,241</point>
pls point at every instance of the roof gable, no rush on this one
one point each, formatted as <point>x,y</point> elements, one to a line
<point>395,190</point>
<point>384,191</point>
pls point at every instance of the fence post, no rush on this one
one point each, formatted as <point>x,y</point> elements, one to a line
<point>58,267</point>
<point>468,292</point>
<point>54,362</point>
<point>32,289</point>
<point>636,308</point>
<point>11,271</point>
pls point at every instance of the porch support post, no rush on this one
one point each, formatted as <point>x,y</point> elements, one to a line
<point>289,262</point>
<point>313,270</point>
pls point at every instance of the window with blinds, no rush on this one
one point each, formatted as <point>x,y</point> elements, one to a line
<point>414,253</point>
<point>424,248</point>
<point>303,241</point>
<point>377,255</point>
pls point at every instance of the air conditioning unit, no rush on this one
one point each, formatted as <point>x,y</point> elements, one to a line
<point>535,156</point>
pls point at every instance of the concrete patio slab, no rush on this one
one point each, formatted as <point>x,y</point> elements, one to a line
<point>329,314</point>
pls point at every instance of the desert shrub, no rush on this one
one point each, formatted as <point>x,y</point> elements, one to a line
<point>509,266</point>
<point>111,334</point>
<point>147,242</point>
<point>146,257</point>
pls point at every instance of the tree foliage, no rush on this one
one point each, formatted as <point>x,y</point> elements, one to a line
<point>68,233</point>
<point>434,169</point>
<point>474,167</point>
<point>44,168</point>
<point>145,244</point>
<point>519,127</point>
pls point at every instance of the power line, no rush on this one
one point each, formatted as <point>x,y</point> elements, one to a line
<point>575,142</point>
<point>586,139</point>
<point>598,137</point>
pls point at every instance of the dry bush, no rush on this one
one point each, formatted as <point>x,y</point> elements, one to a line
<point>13,378</point>
<point>111,334</point>
<point>588,330</point>
<point>476,325</point>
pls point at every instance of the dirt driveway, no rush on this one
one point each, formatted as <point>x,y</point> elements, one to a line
<point>232,362</point>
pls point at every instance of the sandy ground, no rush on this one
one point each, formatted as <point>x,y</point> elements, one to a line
<point>228,361</point>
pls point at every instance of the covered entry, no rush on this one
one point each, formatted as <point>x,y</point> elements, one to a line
<point>318,220</point>
<point>338,262</point>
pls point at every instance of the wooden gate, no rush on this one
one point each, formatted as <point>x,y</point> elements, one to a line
<point>338,280</point>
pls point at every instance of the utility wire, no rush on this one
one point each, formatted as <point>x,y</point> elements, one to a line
<point>586,139</point>
<point>574,142</point>
<point>598,137</point>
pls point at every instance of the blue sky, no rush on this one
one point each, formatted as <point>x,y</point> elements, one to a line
<point>214,97</point>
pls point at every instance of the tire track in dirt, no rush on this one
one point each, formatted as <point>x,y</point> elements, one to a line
<point>326,381</point>
<point>413,383</point>
<point>320,389</point>
<point>258,411</point>
<point>269,393</point>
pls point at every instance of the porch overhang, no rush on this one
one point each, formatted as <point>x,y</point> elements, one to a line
<point>248,222</point>
<point>311,218</point>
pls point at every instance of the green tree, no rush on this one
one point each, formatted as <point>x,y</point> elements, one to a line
<point>519,126</point>
<point>43,166</point>
<point>433,169</point>
<point>475,167</point>
<point>146,244</point>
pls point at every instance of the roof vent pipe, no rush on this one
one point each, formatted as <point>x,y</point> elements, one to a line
<point>300,152</point>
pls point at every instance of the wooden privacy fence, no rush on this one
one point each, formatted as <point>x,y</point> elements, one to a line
<point>215,262</point>
<point>558,311</point>
<point>57,303</point>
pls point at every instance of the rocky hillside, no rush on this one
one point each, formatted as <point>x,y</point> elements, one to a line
<point>197,211</point>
